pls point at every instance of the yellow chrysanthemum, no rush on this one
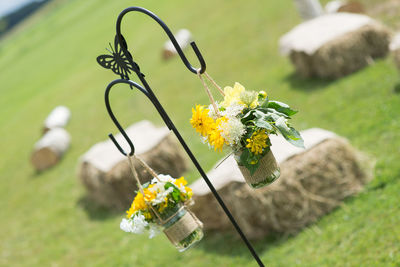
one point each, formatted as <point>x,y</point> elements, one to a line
<point>214,137</point>
<point>257,142</point>
<point>200,120</point>
<point>137,204</point>
<point>180,182</point>
<point>149,195</point>
<point>232,95</point>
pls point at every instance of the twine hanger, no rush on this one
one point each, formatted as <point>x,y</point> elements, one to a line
<point>210,96</point>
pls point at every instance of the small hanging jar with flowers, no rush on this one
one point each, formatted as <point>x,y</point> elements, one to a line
<point>162,205</point>
<point>243,122</point>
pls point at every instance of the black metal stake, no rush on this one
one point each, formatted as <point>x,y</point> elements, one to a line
<point>121,62</point>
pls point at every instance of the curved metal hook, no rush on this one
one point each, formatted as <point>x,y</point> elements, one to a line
<point>114,119</point>
<point>168,32</point>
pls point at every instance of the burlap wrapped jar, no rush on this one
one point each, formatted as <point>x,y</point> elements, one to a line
<point>267,172</point>
<point>182,228</point>
<point>180,225</point>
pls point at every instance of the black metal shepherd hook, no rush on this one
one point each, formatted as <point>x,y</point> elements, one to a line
<point>121,63</point>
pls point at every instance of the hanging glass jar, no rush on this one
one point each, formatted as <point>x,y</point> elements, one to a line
<point>182,227</point>
<point>267,172</point>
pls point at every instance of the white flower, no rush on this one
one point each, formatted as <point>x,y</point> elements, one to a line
<point>163,178</point>
<point>126,225</point>
<point>154,230</point>
<point>233,110</point>
<point>139,224</point>
<point>136,225</point>
<point>162,195</point>
<point>232,130</point>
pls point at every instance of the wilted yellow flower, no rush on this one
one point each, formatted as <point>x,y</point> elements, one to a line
<point>200,120</point>
<point>232,95</point>
<point>257,142</point>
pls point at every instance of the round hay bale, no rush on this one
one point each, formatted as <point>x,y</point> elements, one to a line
<point>106,174</point>
<point>311,184</point>
<point>335,45</point>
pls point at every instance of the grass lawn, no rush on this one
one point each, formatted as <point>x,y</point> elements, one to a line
<point>45,218</point>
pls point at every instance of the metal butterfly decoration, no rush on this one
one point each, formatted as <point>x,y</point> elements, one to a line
<point>120,63</point>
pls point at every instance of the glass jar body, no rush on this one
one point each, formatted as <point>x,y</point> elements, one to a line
<point>267,172</point>
<point>182,228</point>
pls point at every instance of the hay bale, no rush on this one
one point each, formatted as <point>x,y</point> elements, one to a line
<point>312,183</point>
<point>105,172</point>
<point>334,45</point>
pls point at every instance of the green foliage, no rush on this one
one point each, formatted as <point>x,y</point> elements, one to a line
<point>175,194</point>
<point>281,107</point>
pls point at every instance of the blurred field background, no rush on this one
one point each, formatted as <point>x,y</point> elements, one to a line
<point>49,60</point>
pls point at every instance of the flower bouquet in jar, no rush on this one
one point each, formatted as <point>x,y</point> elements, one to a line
<point>243,122</point>
<point>161,205</point>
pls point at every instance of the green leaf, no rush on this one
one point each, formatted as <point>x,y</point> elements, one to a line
<point>265,103</point>
<point>281,107</point>
<point>246,158</point>
<point>262,123</point>
<point>289,133</point>
<point>247,116</point>
<point>252,167</point>
<point>243,157</point>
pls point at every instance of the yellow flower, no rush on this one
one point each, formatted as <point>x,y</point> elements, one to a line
<point>232,95</point>
<point>137,204</point>
<point>163,205</point>
<point>180,182</point>
<point>257,142</point>
<point>149,195</point>
<point>189,192</point>
<point>200,120</point>
<point>130,212</point>
<point>215,138</point>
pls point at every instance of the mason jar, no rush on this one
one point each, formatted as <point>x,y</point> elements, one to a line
<point>267,172</point>
<point>182,227</point>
